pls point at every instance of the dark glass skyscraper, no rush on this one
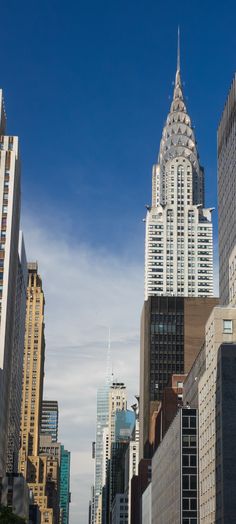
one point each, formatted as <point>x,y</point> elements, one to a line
<point>172,333</point>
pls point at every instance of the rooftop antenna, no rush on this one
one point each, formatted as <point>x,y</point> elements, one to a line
<point>109,371</point>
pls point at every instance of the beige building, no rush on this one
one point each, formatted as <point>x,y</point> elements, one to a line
<point>41,470</point>
<point>220,328</point>
<point>117,402</point>
<point>37,479</point>
<point>33,368</point>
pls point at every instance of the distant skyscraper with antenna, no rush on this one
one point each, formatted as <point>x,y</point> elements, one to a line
<point>101,424</point>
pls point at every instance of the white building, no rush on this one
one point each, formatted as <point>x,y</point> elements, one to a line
<point>178,244</point>
<point>9,224</point>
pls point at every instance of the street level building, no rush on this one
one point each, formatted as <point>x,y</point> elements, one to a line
<point>16,495</point>
<point>147,505</point>
<point>226,152</point>
<point>175,472</point>
<point>217,430</point>
<point>42,476</point>
<point>117,471</point>
<point>9,232</point>
<point>120,509</point>
<point>139,484</point>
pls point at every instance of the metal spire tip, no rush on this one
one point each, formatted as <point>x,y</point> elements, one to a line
<point>178,51</point>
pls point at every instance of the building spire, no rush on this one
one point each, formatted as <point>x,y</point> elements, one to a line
<point>177,76</point>
<point>178,51</point>
<point>109,364</point>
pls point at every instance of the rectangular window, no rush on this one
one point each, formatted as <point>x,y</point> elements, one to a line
<point>227,326</point>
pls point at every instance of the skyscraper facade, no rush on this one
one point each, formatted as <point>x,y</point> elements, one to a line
<point>65,485</point>
<point>175,472</point>
<point>9,224</point>
<point>226,152</point>
<point>217,428</point>
<point>178,263</point>
<point>33,368</point>
<point>117,402</point>
<point>102,423</point>
<point>178,244</point>
<point>172,333</point>
<point>49,420</point>
<point>17,362</point>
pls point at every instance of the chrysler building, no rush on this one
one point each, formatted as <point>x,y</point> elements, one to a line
<point>178,243</point>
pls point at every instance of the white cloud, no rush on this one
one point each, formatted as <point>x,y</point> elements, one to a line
<point>86,292</point>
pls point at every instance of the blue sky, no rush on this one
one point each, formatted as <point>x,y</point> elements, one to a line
<point>87,88</point>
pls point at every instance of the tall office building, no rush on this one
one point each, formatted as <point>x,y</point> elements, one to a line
<point>178,263</point>
<point>33,368</point>
<point>65,485</point>
<point>102,422</point>
<point>172,333</point>
<point>226,152</point>
<point>49,419</point>
<point>117,402</point>
<point>178,245</point>
<point>40,469</point>
<point>17,362</point>
<point>9,224</point>
<point>100,452</point>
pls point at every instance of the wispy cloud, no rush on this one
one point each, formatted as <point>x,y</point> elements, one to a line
<point>86,292</point>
